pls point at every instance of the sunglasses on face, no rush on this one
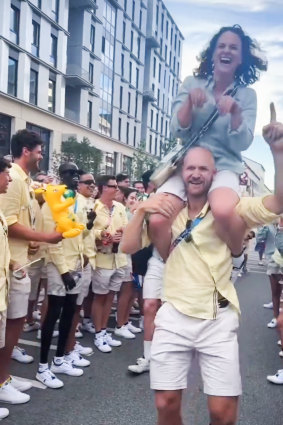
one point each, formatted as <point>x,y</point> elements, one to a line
<point>113,186</point>
<point>88,182</point>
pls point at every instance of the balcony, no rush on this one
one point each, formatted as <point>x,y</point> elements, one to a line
<point>74,4</point>
<point>149,95</point>
<point>152,42</point>
<point>77,77</point>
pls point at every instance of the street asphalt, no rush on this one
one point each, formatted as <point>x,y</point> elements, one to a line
<point>108,395</point>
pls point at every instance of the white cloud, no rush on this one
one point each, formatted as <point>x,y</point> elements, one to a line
<point>241,5</point>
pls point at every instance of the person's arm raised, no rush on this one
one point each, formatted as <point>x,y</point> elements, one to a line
<point>132,237</point>
<point>19,231</point>
<point>273,135</point>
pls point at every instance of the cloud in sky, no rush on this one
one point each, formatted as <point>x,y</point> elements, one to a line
<point>263,21</point>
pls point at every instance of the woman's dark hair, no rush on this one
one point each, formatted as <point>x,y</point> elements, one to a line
<point>247,72</point>
<point>127,191</point>
<point>24,139</point>
<point>4,163</point>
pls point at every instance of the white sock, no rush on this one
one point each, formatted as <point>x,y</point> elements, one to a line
<point>42,367</point>
<point>58,360</point>
<point>146,349</point>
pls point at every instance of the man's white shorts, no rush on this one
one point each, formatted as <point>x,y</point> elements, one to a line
<point>18,297</point>
<point>153,280</point>
<point>55,284</point>
<point>86,281</point>
<point>104,280</point>
<point>3,317</point>
<point>178,337</point>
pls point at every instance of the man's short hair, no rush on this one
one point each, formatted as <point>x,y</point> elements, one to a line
<point>4,163</point>
<point>24,139</point>
<point>146,178</point>
<point>121,177</point>
<point>137,181</point>
<point>102,180</point>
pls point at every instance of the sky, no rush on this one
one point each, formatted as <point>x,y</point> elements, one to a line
<point>262,20</point>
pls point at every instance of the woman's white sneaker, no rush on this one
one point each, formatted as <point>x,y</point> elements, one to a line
<point>110,341</point>
<point>76,359</point>
<point>124,332</point>
<point>272,323</point>
<point>101,344</point>
<point>66,368</point>
<point>21,356</point>
<point>133,329</point>
<point>277,378</point>
<point>141,366</point>
<point>49,379</point>
<point>9,394</point>
<point>83,351</point>
<point>3,413</point>
<point>20,385</point>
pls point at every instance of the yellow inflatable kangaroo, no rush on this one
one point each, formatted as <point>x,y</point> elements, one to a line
<point>65,220</point>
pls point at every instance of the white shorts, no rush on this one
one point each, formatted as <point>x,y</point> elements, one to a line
<point>3,317</point>
<point>18,297</point>
<point>178,337</point>
<point>153,280</point>
<point>35,274</point>
<point>55,285</point>
<point>223,178</point>
<point>128,270</point>
<point>274,268</point>
<point>86,281</point>
<point>104,280</point>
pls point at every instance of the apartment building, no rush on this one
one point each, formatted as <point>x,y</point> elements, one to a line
<point>83,68</point>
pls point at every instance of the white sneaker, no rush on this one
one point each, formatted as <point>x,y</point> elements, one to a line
<point>124,332</point>
<point>88,327</point>
<point>19,384</point>
<point>272,323</point>
<point>141,323</point>
<point>9,394</point>
<point>76,359</point>
<point>281,353</point>
<point>3,413</point>
<point>277,378</point>
<point>84,351</point>
<point>133,329</point>
<point>101,344</point>
<point>66,368</point>
<point>268,305</point>
<point>78,334</point>
<point>261,263</point>
<point>20,355</point>
<point>49,379</point>
<point>54,335</point>
<point>29,327</point>
<point>141,366</point>
<point>110,341</point>
<point>279,343</point>
<point>36,315</point>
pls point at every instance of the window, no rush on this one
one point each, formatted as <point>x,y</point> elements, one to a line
<point>167,24</point>
<point>133,10</point>
<point>150,143</point>
<point>53,52</point>
<point>179,48</point>
<point>151,118</point>
<point>38,4</point>
<point>55,9</point>
<point>33,87</point>
<point>122,64</point>
<point>166,53</point>
<point>161,125</point>
<point>157,15</point>
<point>129,103</point>
<point>132,40</point>
<point>35,38</point>
<point>92,37</point>
<point>139,46</point>
<point>166,128</point>
<point>130,71</point>
<point>14,24</point>
<point>158,96</point>
<point>5,134</point>
<point>12,76</point>
<point>125,5</point>
<point>103,45</point>
<point>135,135</point>
<point>137,77</point>
<point>89,114</point>
<point>155,146</point>
<point>162,22</point>
<point>156,122</point>
<point>159,73</point>
<point>124,32</point>
<point>136,105</point>
<point>127,133</point>
<point>90,73</point>
<point>164,81</point>
<point>121,97</point>
<point>154,66</point>
<point>140,20</point>
<point>51,95</point>
<point>119,128</point>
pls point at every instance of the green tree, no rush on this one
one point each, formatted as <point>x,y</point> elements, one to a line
<point>83,154</point>
<point>167,146</point>
<point>142,161</point>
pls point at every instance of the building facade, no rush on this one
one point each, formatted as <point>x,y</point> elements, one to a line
<point>105,69</point>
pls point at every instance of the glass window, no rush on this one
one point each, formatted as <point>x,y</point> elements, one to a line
<point>90,73</point>
<point>140,20</point>
<point>51,95</point>
<point>14,24</point>
<point>125,5</point>
<point>135,135</point>
<point>33,86</point>
<point>35,38</point>
<point>89,114</point>
<point>127,133</point>
<point>53,51</point>
<point>137,77</point>
<point>154,66</point>
<point>55,9</point>
<point>122,64</point>
<point>121,97</point>
<point>92,37</point>
<point>136,105</point>
<point>12,76</point>
<point>124,32</point>
<point>5,134</point>
<point>129,103</point>
<point>119,128</point>
<point>130,71</point>
<point>133,10</point>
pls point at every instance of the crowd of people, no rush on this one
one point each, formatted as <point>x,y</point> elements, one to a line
<point>172,252</point>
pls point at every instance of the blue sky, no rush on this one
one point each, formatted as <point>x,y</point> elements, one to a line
<point>198,20</point>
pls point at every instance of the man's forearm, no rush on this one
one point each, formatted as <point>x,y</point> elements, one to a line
<point>19,231</point>
<point>132,236</point>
